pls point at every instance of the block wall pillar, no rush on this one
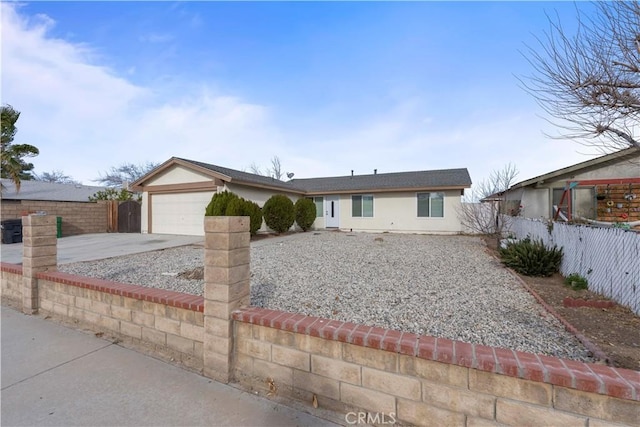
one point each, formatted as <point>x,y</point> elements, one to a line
<point>226,288</point>
<point>40,253</point>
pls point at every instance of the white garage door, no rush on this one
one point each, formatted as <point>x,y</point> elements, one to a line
<point>179,213</point>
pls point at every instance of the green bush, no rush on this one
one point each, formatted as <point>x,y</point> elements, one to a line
<point>576,281</point>
<point>253,211</point>
<point>531,258</point>
<point>305,211</point>
<point>278,213</point>
<point>218,204</point>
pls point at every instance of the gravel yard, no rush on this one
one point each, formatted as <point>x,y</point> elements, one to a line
<point>445,286</point>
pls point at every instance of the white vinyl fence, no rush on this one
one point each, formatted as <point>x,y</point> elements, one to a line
<point>608,257</point>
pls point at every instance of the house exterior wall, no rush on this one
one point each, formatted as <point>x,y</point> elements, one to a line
<point>258,195</point>
<point>178,175</point>
<point>398,212</point>
<point>537,200</point>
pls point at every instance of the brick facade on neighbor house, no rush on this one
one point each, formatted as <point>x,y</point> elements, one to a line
<point>77,217</point>
<point>394,376</point>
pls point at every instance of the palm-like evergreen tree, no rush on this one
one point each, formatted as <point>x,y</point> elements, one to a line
<point>13,165</point>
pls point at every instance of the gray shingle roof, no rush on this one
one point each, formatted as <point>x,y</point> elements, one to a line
<point>247,177</point>
<point>458,178</point>
<point>451,178</point>
<point>49,191</point>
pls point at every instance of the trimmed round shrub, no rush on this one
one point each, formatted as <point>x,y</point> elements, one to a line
<point>230,204</point>
<point>218,204</point>
<point>253,211</point>
<point>235,207</point>
<point>305,211</point>
<point>278,213</point>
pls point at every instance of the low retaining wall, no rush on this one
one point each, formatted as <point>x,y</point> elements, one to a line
<point>370,375</point>
<point>396,376</point>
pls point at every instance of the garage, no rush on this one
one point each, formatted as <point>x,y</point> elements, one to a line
<point>179,213</point>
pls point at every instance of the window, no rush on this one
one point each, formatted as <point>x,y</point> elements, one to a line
<point>319,201</point>
<point>430,205</point>
<point>362,206</point>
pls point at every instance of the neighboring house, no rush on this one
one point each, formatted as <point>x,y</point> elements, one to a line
<point>175,195</point>
<point>68,201</point>
<point>606,188</point>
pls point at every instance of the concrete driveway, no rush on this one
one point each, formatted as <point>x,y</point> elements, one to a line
<point>89,247</point>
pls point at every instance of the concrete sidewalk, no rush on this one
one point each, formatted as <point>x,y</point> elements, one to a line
<point>55,376</point>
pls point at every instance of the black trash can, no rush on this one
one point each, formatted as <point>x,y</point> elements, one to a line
<point>11,230</point>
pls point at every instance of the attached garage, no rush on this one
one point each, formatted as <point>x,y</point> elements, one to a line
<point>176,194</point>
<point>178,213</point>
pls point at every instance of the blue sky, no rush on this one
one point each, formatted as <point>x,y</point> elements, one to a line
<point>327,87</point>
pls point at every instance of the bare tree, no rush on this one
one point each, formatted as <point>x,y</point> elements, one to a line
<point>254,168</point>
<point>56,176</point>
<point>126,173</point>
<point>589,82</point>
<point>274,171</point>
<point>484,207</point>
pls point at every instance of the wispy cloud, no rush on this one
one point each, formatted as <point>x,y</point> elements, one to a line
<point>85,118</point>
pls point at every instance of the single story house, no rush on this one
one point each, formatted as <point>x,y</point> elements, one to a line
<point>68,201</point>
<point>175,195</point>
<point>606,188</point>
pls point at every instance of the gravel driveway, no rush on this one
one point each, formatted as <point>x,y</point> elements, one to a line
<point>444,286</point>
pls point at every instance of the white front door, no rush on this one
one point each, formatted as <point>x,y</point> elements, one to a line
<point>332,211</point>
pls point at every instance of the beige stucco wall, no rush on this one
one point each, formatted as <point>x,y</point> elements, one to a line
<point>258,195</point>
<point>178,175</point>
<point>398,212</point>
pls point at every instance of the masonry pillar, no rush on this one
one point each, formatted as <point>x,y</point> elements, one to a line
<point>226,288</point>
<point>40,253</point>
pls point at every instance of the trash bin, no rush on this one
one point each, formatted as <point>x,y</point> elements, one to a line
<point>11,230</point>
<point>58,227</point>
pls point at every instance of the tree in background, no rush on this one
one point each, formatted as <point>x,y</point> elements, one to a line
<point>121,195</point>
<point>274,171</point>
<point>56,176</point>
<point>488,217</point>
<point>589,83</point>
<point>13,166</point>
<point>126,173</point>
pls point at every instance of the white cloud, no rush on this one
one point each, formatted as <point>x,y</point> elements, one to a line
<point>84,118</point>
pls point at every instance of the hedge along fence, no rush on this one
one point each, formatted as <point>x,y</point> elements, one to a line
<point>363,372</point>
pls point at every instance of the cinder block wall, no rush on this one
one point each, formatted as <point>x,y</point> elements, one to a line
<point>395,376</point>
<point>353,369</point>
<point>77,217</point>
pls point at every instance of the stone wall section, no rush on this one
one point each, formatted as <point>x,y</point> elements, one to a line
<point>348,368</point>
<point>423,380</point>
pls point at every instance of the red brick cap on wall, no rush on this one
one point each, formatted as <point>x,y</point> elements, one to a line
<point>589,377</point>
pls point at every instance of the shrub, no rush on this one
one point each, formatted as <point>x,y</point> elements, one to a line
<point>253,211</point>
<point>218,204</point>
<point>305,211</point>
<point>235,207</point>
<point>278,213</point>
<point>531,258</point>
<point>576,281</point>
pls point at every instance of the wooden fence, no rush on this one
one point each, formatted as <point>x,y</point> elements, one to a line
<point>608,257</point>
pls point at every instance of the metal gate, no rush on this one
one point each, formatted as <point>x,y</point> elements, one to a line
<point>129,217</point>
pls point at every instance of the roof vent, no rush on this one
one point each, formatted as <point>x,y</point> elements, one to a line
<point>351,172</point>
<point>375,171</point>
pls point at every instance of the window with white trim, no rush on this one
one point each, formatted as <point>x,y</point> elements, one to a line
<point>319,202</point>
<point>362,206</point>
<point>430,205</point>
